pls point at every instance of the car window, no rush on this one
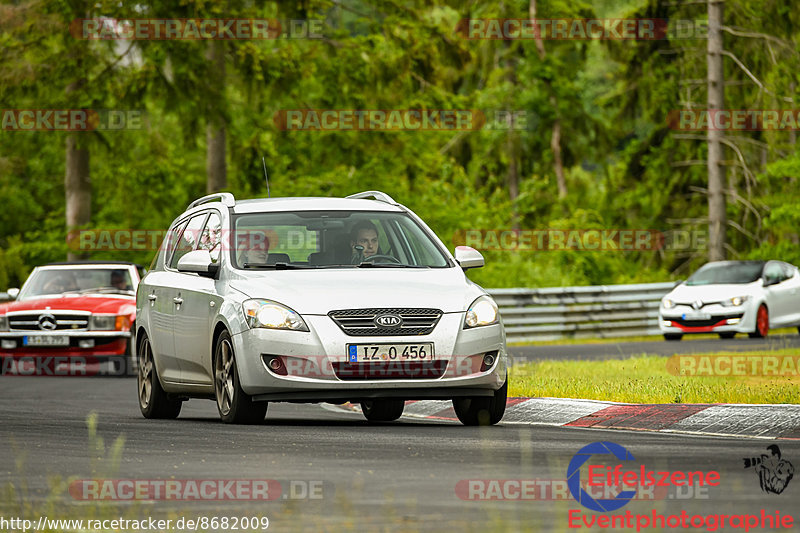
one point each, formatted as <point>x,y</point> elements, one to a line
<point>726,272</point>
<point>83,280</point>
<point>773,273</point>
<point>788,270</point>
<point>210,239</point>
<point>188,239</point>
<point>325,239</point>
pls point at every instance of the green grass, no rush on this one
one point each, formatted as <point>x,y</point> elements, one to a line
<point>645,379</point>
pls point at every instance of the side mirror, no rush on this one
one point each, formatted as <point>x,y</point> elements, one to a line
<point>767,281</point>
<point>199,262</point>
<point>13,293</point>
<point>468,257</point>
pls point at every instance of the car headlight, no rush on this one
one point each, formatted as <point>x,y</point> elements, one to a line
<point>3,323</point>
<point>667,303</point>
<point>272,315</point>
<point>109,323</point>
<point>736,301</point>
<point>482,312</point>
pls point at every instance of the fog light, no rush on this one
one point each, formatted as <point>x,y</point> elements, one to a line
<point>488,361</point>
<point>86,343</point>
<point>666,323</point>
<point>275,364</point>
<point>733,320</point>
<point>8,344</point>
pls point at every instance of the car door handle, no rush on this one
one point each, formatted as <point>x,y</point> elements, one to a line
<point>152,297</point>
<point>177,300</point>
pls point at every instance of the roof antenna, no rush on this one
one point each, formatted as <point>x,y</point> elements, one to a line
<point>264,162</point>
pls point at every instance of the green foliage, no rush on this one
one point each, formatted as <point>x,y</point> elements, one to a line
<point>625,169</point>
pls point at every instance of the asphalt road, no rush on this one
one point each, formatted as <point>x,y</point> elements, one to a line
<point>621,350</point>
<point>402,476</point>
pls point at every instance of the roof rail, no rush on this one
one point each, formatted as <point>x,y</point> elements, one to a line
<point>224,197</point>
<point>377,195</point>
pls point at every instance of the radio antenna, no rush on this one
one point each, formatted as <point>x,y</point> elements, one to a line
<point>264,162</point>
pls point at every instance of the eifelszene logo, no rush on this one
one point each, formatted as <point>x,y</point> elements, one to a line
<point>574,477</point>
<point>774,473</point>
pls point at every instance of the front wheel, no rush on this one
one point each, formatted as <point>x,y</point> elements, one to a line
<point>482,411</point>
<point>382,410</point>
<point>234,405</point>
<point>153,401</point>
<point>762,323</point>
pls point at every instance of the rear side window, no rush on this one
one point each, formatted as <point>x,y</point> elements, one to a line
<point>188,239</point>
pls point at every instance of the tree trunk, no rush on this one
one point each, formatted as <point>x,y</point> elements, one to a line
<point>216,167</point>
<point>716,100</point>
<point>513,179</point>
<point>555,139</point>
<point>77,187</point>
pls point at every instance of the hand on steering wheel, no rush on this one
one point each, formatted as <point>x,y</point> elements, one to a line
<point>387,258</point>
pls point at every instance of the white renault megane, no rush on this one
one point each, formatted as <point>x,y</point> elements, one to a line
<point>730,297</point>
<point>315,300</point>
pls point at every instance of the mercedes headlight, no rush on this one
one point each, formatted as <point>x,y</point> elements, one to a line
<point>667,303</point>
<point>482,312</point>
<point>102,322</point>
<point>271,315</point>
<point>3,323</point>
<point>736,301</point>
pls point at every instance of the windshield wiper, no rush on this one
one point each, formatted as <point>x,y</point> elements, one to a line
<point>368,264</point>
<point>103,290</point>
<point>274,266</point>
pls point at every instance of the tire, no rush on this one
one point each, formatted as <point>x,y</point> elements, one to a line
<point>234,405</point>
<point>762,323</point>
<point>673,336</point>
<point>383,410</point>
<point>153,401</point>
<point>482,411</point>
<point>727,335</point>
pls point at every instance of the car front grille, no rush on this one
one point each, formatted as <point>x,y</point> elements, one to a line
<point>358,322</point>
<point>389,370</point>
<point>63,321</point>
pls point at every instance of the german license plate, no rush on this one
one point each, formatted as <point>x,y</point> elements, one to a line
<point>696,316</point>
<point>45,340</point>
<point>374,353</point>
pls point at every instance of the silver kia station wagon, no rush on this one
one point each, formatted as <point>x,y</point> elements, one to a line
<point>315,300</point>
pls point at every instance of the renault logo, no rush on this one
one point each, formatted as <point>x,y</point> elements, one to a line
<point>388,321</point>
<point>47,322</point>
<point>698,304</point>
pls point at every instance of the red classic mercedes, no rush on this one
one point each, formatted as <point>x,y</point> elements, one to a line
<point>69,312</point>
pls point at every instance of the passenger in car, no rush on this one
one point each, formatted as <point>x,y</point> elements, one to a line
<point>119,281</point>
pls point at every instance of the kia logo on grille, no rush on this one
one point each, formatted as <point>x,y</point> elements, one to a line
<point>388,321</point>
<point>47,322</point>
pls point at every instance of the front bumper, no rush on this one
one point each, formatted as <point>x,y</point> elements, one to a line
<point>103,343</point>
<point>312,358</point>
<point>680,320</point>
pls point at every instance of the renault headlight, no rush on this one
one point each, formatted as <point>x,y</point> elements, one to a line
<point>482,312</point>
<point>736,301</point>
<point>271,315</point>
<point>667,303</point>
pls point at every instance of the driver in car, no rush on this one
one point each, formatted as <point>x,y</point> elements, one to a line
<point>364,241</point>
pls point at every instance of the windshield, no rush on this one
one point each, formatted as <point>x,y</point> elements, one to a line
<point>55,281</point>
<point>332,239</point>
<point>718,273</point>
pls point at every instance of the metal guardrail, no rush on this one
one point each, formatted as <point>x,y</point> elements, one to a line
<point>580,312</point>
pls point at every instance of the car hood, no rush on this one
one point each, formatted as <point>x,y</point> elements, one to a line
<point>712,293</point>
<point>117,304</point>
<point>316,292</point>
